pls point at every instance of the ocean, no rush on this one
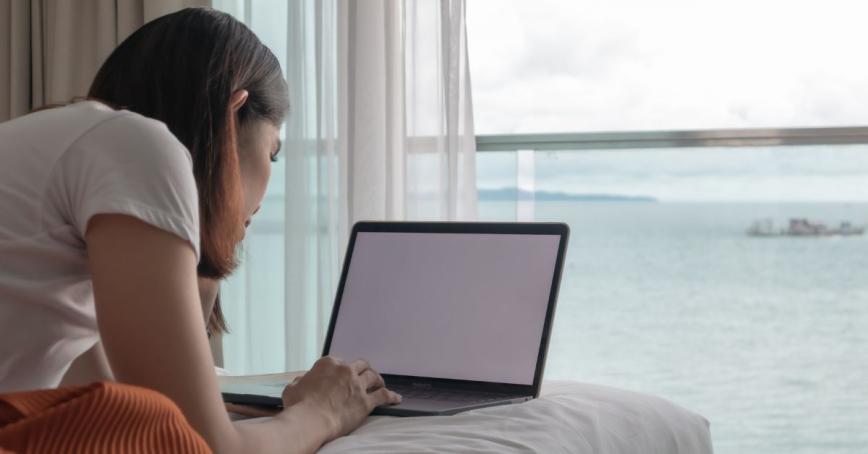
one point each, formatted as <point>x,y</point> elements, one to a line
<point>765,337</point>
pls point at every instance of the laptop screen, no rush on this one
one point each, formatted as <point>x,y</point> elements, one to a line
<point>462,306</point>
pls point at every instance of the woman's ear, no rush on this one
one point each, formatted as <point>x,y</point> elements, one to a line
<point>238,98</point>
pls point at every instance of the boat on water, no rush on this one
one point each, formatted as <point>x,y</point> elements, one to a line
<point>803,227</point>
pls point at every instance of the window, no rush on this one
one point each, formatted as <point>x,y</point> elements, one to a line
<point>728,279</point>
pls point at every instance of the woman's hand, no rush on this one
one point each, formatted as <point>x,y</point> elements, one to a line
<point>344,393</point>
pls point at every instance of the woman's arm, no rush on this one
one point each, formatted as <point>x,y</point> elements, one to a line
<point>151,326</point>
<point>90,367</point>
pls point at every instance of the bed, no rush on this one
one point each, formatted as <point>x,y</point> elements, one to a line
<point>569,417</point>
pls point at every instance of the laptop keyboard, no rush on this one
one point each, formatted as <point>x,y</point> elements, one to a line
<point>449,395</point>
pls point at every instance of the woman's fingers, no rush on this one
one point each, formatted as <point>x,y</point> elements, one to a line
<point>383,396</point>
<point>372,380</point>
<point>358,366</point>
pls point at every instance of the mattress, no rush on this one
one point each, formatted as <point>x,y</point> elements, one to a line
<point>569,417</point>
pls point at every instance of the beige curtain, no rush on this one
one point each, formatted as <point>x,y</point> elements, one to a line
<point>51,49</point>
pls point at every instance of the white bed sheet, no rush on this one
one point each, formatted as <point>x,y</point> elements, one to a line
<point>569,417</point>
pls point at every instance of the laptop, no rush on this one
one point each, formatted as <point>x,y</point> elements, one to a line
<point>455,316</point>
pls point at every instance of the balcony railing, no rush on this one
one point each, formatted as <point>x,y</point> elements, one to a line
<point>524,146</point>
<point>674,139</point>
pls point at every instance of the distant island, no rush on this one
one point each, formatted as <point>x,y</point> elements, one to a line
<point>506,194</point>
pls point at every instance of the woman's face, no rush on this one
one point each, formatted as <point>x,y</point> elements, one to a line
<point>258,145</point>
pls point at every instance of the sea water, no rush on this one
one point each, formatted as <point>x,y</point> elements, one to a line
<point>767,338</point>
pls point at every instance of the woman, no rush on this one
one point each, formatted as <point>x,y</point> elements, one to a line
<point>112,215</point>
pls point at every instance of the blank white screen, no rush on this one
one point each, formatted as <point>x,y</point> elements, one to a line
<point>459,306</point>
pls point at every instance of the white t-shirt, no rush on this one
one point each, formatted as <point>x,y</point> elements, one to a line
<point>58,168</point>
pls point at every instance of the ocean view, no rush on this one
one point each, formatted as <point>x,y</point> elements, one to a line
<point>765,337</point>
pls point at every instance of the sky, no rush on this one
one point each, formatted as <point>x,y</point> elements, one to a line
<point>590,65</point>
<point>626,65</point>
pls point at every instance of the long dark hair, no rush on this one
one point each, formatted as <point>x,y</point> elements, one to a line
<point>182,69</point>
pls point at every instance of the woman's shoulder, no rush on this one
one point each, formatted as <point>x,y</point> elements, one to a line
<point>56,130</point>
<point>128,135</point>
<point>126,125</point>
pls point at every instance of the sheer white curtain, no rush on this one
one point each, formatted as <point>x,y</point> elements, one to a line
<point>381,128</point>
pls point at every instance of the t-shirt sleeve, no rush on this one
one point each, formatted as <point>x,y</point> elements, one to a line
<point>129,165</point>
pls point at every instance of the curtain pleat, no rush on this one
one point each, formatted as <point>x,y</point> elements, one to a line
<point>14,58</point>
<point>55,47</point>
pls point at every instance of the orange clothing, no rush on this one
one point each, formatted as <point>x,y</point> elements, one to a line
<point>103,417</point>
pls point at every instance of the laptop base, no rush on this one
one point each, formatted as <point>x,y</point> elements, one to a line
<point>268,396</point>
<point>419,407</point>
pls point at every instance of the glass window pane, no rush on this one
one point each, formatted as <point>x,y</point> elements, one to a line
<point>667,291</point>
